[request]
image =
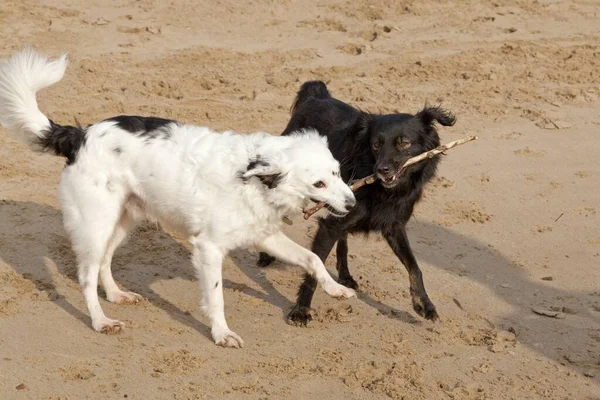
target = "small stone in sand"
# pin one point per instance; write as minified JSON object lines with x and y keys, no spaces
{"x":21,"y":387}
{"x":568,"y":310}
{"x":549,"y":313}
{"x":506,"y":336}
{"x":100,"y":21}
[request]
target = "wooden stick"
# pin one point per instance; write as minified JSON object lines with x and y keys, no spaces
{"x":435,"y":152}
{"x":357,"y":184}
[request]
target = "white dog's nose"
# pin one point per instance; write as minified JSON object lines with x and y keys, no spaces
{"x":350,"y":203}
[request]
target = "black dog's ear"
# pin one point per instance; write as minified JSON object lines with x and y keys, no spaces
{"x":361,"y":132}
{"x":363,"y":125}
{"x":268,"y":173}
{"x":429,"y":115}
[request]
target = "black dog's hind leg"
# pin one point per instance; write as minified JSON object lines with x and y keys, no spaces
{"x":344,"y":276}
{"x":398,"y":241}
{"x":324,"y":240}
{"x":264,"y":259}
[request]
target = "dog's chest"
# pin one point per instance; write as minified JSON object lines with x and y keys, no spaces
{"x":383,"y":210}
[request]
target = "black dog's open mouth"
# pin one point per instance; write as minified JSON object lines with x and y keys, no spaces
{"x":389,"y":181}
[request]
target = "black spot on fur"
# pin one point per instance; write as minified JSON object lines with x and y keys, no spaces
{"x":271,"y":181}
{"x":63,"y":141}
{"x":147,"y":127}
{"x":216,"y":285}
{"x":117,"y":150}
{"x":254,"y":163}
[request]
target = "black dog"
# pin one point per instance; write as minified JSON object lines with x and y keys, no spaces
{"x":365,"y":144}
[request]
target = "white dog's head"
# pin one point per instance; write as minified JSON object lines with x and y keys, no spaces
{"x":303,"y":170}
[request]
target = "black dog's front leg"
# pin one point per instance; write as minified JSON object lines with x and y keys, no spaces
{"x":344,"y":276}
{"x":398,"y":241}
{"x":325,"y":238}
{"x":264,"y":259}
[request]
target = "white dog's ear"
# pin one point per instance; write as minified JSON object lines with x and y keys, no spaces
{"x":268,"y":173}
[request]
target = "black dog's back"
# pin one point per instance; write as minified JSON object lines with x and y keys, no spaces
{"x":310,"y":90}
{"x":315,"y":108}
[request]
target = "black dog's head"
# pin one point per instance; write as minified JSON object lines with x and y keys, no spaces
{"x":395,"y":138}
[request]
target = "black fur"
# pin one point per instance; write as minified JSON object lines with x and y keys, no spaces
{"x":62,"y":140}
{"x":257,"y":162}
{"x":365,"y":144}
{"x":314,"y":89}
{"x":149,"y":127}
{"x":271,"y":180}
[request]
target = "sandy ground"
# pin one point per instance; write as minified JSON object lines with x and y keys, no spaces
{"x":510,"y":224}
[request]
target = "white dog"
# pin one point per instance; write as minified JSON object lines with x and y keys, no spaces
{"x":220,"y":191}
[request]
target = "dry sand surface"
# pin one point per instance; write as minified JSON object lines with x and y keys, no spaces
{"x":510,"y":224}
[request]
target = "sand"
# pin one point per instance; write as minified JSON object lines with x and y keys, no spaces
{"x":509,"y":225}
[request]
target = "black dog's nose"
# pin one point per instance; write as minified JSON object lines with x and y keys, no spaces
{"x":350,"y":203}
{"x":383,"y":170}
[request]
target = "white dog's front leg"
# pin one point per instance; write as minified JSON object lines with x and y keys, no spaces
{"x":287,"y":250}
{"x":208,"y":259}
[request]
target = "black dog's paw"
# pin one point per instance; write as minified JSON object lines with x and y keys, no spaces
{"x":425,"y":308}
{"x":348,"y":281}
{"x":264,"y":260}
{"x":299,"y":316}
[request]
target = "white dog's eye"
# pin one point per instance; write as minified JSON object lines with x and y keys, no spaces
{"x":319,"y":184}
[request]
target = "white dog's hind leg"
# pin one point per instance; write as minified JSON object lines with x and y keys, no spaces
{"x":90,"y":216}
{"x":89,"y":247}
{"x":113,"y":293}
{"x":208,"y":259}
{"x":285,"y":249}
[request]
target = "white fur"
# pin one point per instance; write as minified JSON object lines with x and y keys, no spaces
{"x":196,"y":183}
{"x":20,"y":78}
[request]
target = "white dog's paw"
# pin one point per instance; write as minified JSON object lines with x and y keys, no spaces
{"x":121,"y":297}
{"x":108,"y":326}
{"x":334,"y":289}
{"x":227,"y":338}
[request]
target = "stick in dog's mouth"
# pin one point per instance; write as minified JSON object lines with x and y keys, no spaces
{"x":357,"y":184}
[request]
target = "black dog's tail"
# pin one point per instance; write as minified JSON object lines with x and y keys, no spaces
{"x":309,"y":89}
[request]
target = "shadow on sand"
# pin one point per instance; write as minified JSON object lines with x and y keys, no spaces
{"x":40,"y":235}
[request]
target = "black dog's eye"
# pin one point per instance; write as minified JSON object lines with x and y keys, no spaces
{"x":402,"y":145}
{"x":319,"y":184}
{"x":376,"y":145}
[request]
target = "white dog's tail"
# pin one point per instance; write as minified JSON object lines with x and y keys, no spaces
{"x":20,"y":78}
